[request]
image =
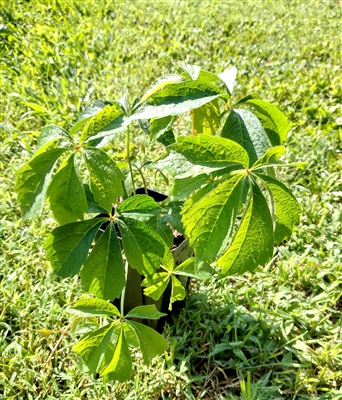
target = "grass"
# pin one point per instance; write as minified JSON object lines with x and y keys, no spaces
{"x":273,"y":334}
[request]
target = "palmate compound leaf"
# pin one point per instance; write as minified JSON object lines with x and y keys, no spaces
{"x":158,"y":282}
{"x":103,"y":272}
{"x":67,"y":246}
{"x":252,"y":244}
{"x":105,"y":177}
{"x":211,"y":151}
{"x":145,"y":250}
{"x":243,"y":127}
{"x":287,"y":210}
{"x":92,"y":347}
{"x":210,"y":219}
{"x":33,"y":179}
{"x":120,"y":366}
{"x":151,"y":342}
{"x":177,"y":98}
{"x":66,"y":193}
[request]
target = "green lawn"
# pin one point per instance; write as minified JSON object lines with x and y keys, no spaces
{"x":273,"y":334}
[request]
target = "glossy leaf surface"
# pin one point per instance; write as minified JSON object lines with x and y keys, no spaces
{"x":209,"y":220}
{"x":103,"y":273}
{"x":145,"y":249}
{"x":120,"y":367}
{"x":145,"y":312}
{"x":286,"y":207}
{"x":96,"y":306}
{"x":177,"y":98}
{"x":151,"y":342}
{"x":105,"y":177}
{"x":252,"y":244}
{"x":67,"y":246}
{"x":92,"y":347}
{"x":33,"y":179}
{"x":207,"y":118}
{"x":211,"y":151}
{"x":52,"y":133}
{"x":274,"y":114}
{"x":243,"y":127}
{"x":66,"y":193}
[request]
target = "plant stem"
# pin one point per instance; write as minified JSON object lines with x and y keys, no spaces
{"x":143,"y":179}
{"x":122,"y":298}
{"x":193,"y":132}
{"x":128,"y":140}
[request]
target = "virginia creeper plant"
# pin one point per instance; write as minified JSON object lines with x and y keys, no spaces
{"x":224,"y":198}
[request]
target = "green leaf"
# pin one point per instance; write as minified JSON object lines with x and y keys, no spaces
{"x":274,"y":114}
{"x":94,"y":306}
{"x":196,"y":196}
{"x":33,"y":179}
{"x":92,"y":109}
{"x":107,"y":122}
{"x":103,"y":273}
{"x":145,"y":312}
{"x":270,"y":128}
{"x":52,"y":133}
{"x":158,"y":126}
{"x":228,"y":76}
{"x":144,"y":249}
{"x":156,"y":284}
{"x":66,"y":193}
{"x":92,"y":347}
{"x":191,"y":71}
{"x":67,"y":246}
{"x":105,"y":177}
{"x":180,"y":167}
{"x":120,"y":367}
{"x":93,"y":207}
{"x":253,"y":242}
{"x":270,"y":158}
{"x":243,"y":127}
{"x":159,"y":224}
{"x":211,"y":151}
{"x":287,"y":209}
{"x":161,"y":130}
{"x":177,"y":98}
{"x":209,"y":77}
{"x":139,"y":206}
{"x":183,"y":187}
{"x":207,"y":118}
{"x":209,"y":221}
{"x":159,"y":84}
{"x":151,"y":342}
{"x":177,"y":291}
{"x":171,"y":215}
{"x":186,"y":268}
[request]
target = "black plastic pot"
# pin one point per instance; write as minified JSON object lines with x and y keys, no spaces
{"x":134,"y":294}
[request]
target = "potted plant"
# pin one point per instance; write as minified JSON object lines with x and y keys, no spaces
{"x":224,"y":199}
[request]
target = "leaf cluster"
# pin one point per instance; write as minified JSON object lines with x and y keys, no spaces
{"x":224,"y":195}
